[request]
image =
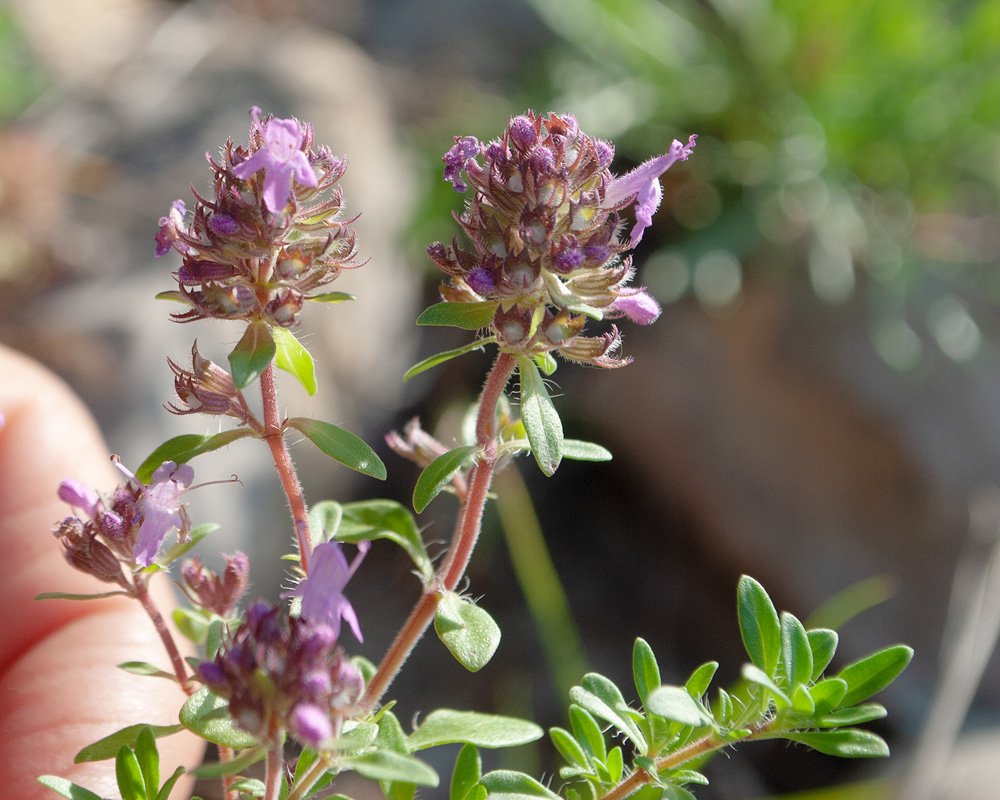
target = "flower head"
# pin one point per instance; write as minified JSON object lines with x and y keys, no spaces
{"x":284,"y":673}
{"x":322,"y":592}
{"x":282,"y":160}
{"x":545,"y":227}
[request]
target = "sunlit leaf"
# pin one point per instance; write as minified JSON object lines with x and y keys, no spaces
{"x":385,"y":519}
{"x":846,"y":743}
{"x":676,"y":704}
{"x":440,"y":358}
{"x":207,"y":715}
{"x":108,"y":747}
{"x":468,"y":316}
{"x":340,"y":445}
{"x":438,"y":474}
{"x":67,"y":789}
{"x":294,"y":359}
{"x":540,"y":418}
{"x":386,"y":765}
{"x":468,"y":770}
{"x":469,"y":632}
{"x":873,"y":673}
{"x":181,"y":449}
{"x":252,"y":354}
{"x":446,"y":726}
{"x":759,"y":625}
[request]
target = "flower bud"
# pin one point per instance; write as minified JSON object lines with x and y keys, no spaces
{"x":85,"y":553}
{"x":216,"y":593}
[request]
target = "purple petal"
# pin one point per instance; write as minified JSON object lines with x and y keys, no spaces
{"x":79,"y":496}
{"x":639,"y":307}
{"x":311,"y":724}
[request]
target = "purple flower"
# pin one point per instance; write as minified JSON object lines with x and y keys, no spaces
{"x":282,"y":159}
{"x":322,"y":592}
{"x":159,"y":508}
{"x":171,"y":226}
{"x":79,"y":496}
{"x":643,"y":183}
{"x":311,"y":724}
{"x":639,"y":307}
{"x":465,"y":149}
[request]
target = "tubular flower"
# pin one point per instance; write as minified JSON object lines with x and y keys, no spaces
{"x":271,"y":234}
{"x":322,"y":592}
{"x":283,"y":673}
{"x":545,"y":228}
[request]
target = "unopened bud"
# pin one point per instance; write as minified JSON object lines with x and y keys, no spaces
{"x":217,"y":593}
{"x":87,"y":554}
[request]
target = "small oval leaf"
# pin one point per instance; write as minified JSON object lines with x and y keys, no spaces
{"x":446,"y":726}
{"x":467,"y":631}
{"x":340,"y":445}
{"x":873,"y":673}
{"x":440,"y":358}
{"x":584,"y":451}
{"x":67,"y":789}
{"x":846,"y":743}
{"x":540,"y":418}
{"x":294,"y":359}
{"x":505,"y":784}
{"x":759,"y":625}
{"x":385,"y":519}
{"x":207,"y":715}
{"x":108,"y":747}
{"x":468,"y":316}
{"x":438,"y":474}
{"x":252,"y":354}
{"x":386,"y":765}
{"x":676,"y":704}
{"x":181,"y":449}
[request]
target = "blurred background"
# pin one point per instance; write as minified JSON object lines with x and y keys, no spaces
{"x":818,"y":406}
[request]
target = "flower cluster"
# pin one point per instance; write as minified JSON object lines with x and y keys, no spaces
{"x":281,"y":672}
{"x":216,"y":593}
{"x":130,"y":527}
{"x":207,"y":388}
{"x":544,"y":224}
{"x":272,"y":234}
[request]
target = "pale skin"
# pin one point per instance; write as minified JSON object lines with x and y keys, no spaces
{"x":59,"y":687}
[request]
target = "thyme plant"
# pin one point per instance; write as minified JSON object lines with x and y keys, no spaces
{"x":547,"y":231}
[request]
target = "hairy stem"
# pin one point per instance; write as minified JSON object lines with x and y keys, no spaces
{"x":467,"y":528}
{"x":177,"y":663}
{"x":275,"y":766}
{"x":641,"y":777}
{"x":306,"y":783}
{"x":275,"y":438}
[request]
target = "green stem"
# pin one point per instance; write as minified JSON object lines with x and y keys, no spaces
{"x":274,"y":435}
{"x":467,"y":528}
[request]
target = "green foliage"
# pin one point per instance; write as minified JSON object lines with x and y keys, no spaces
{"x":369,"y":520}
{"x":294,"y":359}
{"x":540,"y":418}
{"x":108,"y":747}
{"x":468,"y":316}
{"x":137,"y":766}
{"x":446,"y":726}
{"x":469,"y":632}
{"x":253,"y":353}
{"x":440,"y":358}
{"x":340,"y":445}
{"x":181,"y":449}
{"x":207,"y":715}
{"x":785,"y":697}
{"x":439,"y":473}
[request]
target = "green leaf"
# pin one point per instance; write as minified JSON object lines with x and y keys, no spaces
{"x":129,"y":777}
{"x":168,"y":787}
{"x":645,"y":670}
{"x":584,"y":451}
{"x":440,"y":358}
{"x":541,"y":421}
{"x":801,"y":699}
{"x":855,"y":715}
{"x":827,"y":694}
{"x":823,"y":643}
{"x":468,"y":316}
{"x":234,"y":767}
{"x":676,"y":704}
{"x":67,"y":789}
{"x":467,"y":631}
{"x":601,"y":697}
{"x":759,"y":625}
{"x":588,"y":733}
{"x":331,"y":297}
{"x":568,"y":747}
{"x":213,"y":641}
{"x":439,"y":473}
{"x":340,"y":445}
{"x":252,"y":354}
{"x":193,"y":623}
{"x":615,"y":764}
{"x":505,"y":784}
{"x":250,"y":786}
{"x":181,"y":449}
{"x":390,"y":734}
{"x":294,"y":359}
{"x":385,"y":519}
{"x":356,"y":738}
{"x":468,"y":770}
{"x":671,"y":791}
{"x":446,"y":726}
{"x":146,"y":669}
{"x":724,"y":707}
{"x":697,"y":685}
{"x":179,"y":549}
{"x":795,"y":651}
{"x":872,"y":674}
{"x":148,"y":758}
{"x":846,"y":743}
{"x":754,"y":674}
{"x":70,"y":596}
{"x":386,"y":765}
{"x":108,"y":747}
{"x":324,"y":521}
{"x":207,"y":715}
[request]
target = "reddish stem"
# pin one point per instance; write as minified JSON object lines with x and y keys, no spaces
{"x":274,"y":435}
{"x":467,"y":528}
{"x":142,"y":595}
